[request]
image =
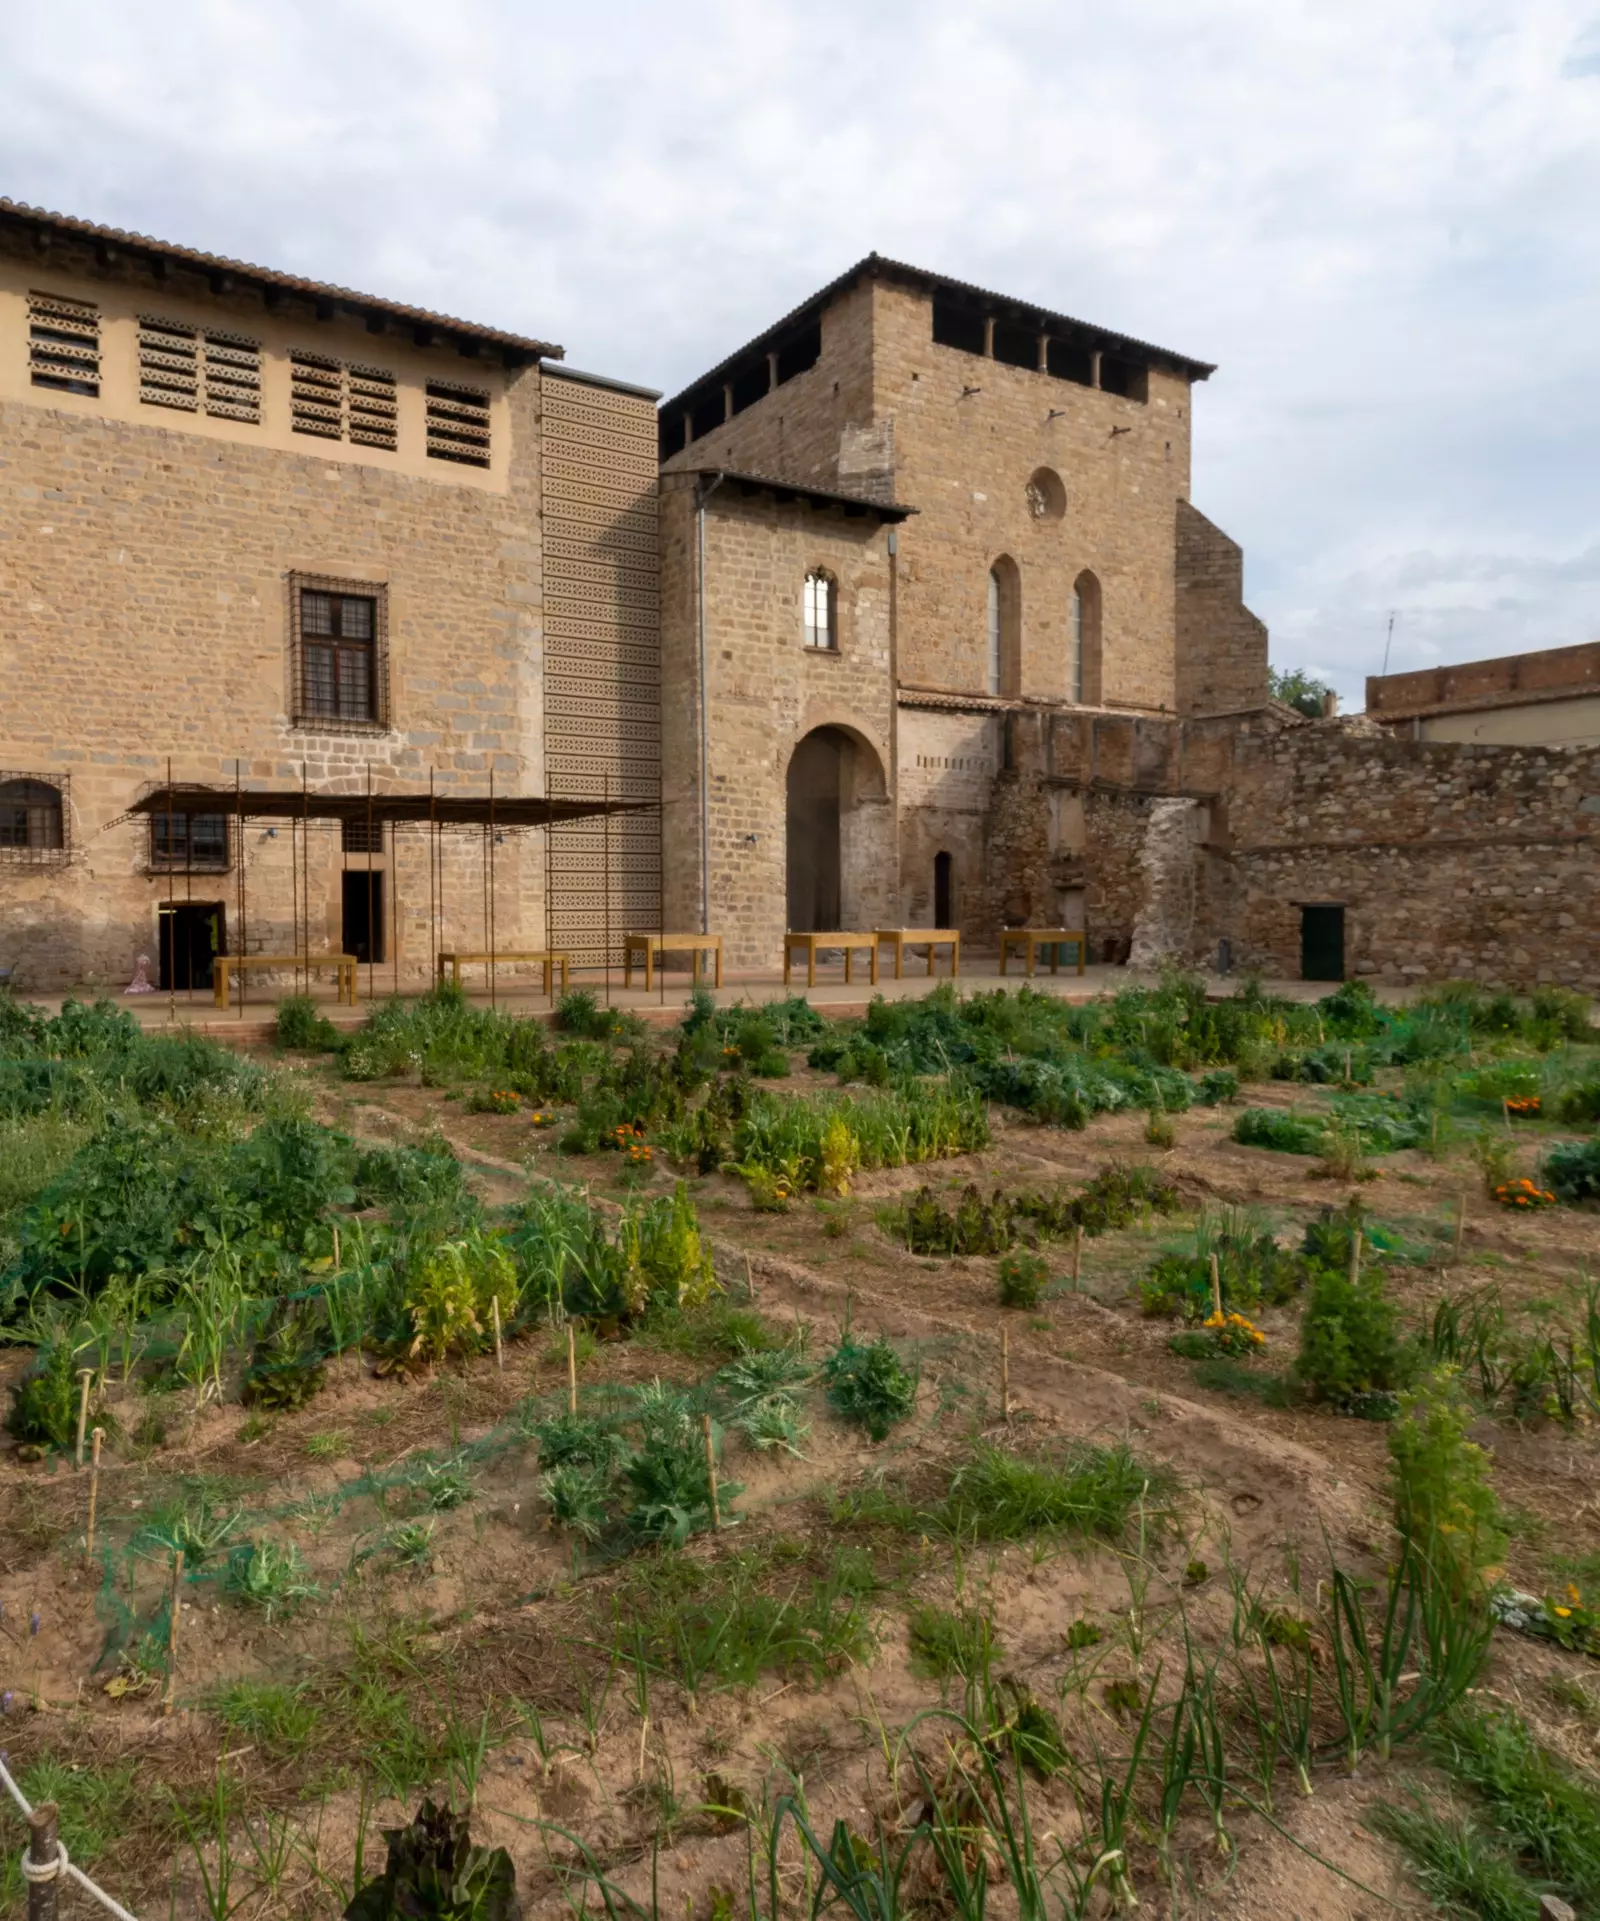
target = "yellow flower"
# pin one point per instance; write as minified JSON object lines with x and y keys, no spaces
{"x":1565,"y":1613}
{"x":1573,"y":1595}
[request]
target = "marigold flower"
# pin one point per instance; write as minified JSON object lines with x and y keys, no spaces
{"x":1565,"y":1613}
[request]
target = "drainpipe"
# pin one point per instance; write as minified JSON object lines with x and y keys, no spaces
{"x":703,"y":495}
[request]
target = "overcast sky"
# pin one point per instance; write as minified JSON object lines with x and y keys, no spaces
{"x":1381,"y":217}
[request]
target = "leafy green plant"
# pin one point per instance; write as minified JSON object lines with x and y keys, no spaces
{"x":44,"y":1403}
{"x":1455,"y":1862}
{"x":1350,"y":1342}
{"x":302,"y":1027}
{"x":271,"y":1577}
{"x":1023,"y":1278}
{"x":867,"y":1383}
{"x":1443,"y":1499}
{"x":945,"y":1643}
{"x":435,"y":1872}
{"x":1283,"y":1133}
{"x":1571,"y":1171}
{"x":1087,"y":1490}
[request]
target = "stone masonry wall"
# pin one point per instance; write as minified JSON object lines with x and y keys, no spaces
{"x":797,"y":431}
{"x":964,"y":459}
{"x":1221,"y":645}
{"x":144,"y":612}
{"x":766,"y":692}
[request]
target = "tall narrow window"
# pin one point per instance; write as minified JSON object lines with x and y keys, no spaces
{"x":339,"y":653}
{"x":822,"y":611}
{"x":1086,"y":605}
{"x":1005,"y":628}
{"x":1075,"y":646}
{"x":996,"y":638}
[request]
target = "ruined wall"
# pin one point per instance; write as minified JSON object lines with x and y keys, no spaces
{"x":969,"y":433}
{"x":1221,"y":645}
{"x":1451,"y":860}
{"x":948,"y":762}
{"x":767,"y":691}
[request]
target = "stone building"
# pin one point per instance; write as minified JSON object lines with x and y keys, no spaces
{"x":994,"y":501}
{"x":900,"y":615}
{"x":275,"y":534}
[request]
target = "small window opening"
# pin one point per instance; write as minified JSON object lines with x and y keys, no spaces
{"x":957,"y":326}
{"x":1124,"y":377}
{"x":1016,"y":346}
{"x":942,"y":865}
{"x":708,"y":414}
{"x":749,"y":384}
{"x":361,"y":836}
{"x":189,"y":840}
{"x":32,"y":820}
{"x":802,"y":351}
{"x":822,"y":611}
{"x":1068,"y":360}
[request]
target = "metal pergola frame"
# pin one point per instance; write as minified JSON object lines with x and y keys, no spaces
{"x":492,"y":815}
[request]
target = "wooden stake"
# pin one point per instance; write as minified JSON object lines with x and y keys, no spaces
{"x":336,"y":1262}
{"x":1347,"y":1067}
{"x":94,"y":1492}
{"x":572,"y":1369}
{"x":1005,"y":1374}
{"x":172,"y":1633}
{"x":85,"y":1377}
{"x":750,"y":1280}
{"x":44,"y":1850}
{"x":499,"y":1351}
{"x":1077,"y":1256}
{"x":1216,"y":1287}
{"x":711,"y":1469}
{"x":1355,"y":1252}
{"x":1461,"y":1217}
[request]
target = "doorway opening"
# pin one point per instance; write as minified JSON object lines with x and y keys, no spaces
{"x":192,"y":934}
{"x":363,"y":913}
{"x":942,"y":864}
{"x":1322,"y":941}
{"x":813,"y":834}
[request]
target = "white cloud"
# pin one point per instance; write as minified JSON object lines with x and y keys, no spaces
{"x":1376,"y":216}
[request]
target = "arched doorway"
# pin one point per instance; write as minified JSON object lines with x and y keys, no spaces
{"x":834,"y":776}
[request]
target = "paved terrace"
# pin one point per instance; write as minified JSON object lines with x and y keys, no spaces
{"x":520,"y":991}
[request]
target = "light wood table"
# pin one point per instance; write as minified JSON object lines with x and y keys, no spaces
{"x":900,"y":938}
{"x":811,"y":944}
{"x":226,"y":965}
{"x":452,"y":962}
{"x":1031,"y":939}
{"x":650,"y":946}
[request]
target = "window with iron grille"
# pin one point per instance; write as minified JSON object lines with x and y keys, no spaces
{"x":458,"y":424}
{"x":822,"y":611}
{"x":340,"y":667}
{"x":361,"y":836}
{"x":33,"y":818}
{"x":189,"y":840}
{"x":63,"y":344}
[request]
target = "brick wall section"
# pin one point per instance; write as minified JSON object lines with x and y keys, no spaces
{"x":144,"y":613}
{"x":766,"y":692}
{"x":1221,"y":645}
{"x":1473,"y":684}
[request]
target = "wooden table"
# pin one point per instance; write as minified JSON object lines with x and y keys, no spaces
{"x":650,"y":945}
{"x":1031,"y":939}
{"x":900,"y":938}
{"x":811,"y":944}
{"x":225,"y":965}
{"x":454,"y":961}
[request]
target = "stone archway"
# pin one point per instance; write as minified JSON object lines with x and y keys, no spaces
{"x":836,"y":818}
